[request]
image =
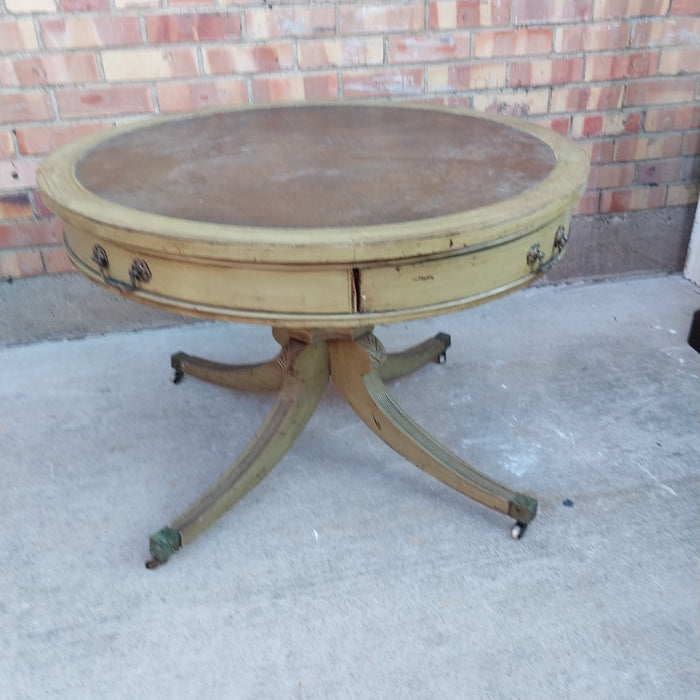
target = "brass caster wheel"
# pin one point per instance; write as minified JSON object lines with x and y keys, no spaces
{"x":518,"y":530}
{"x":154,"y":563}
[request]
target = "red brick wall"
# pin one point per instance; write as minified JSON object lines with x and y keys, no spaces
{"x":622,"y":77}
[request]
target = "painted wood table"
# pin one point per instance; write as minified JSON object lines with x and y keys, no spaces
{"x":319,"y":221}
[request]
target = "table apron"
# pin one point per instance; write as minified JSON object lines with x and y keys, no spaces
{"x":317,"y":295}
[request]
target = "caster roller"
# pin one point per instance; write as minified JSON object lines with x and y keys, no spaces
{"x":518,"y":530}
{"x":154,"y":563}
{"x":176,"y":376}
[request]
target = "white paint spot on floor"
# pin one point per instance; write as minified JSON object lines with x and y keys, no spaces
{"x":521,"y":461}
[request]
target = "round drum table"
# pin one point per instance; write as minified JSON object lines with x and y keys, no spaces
{"x":319,"y":221}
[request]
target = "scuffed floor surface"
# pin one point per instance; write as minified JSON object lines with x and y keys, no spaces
{"x":348,"y":573}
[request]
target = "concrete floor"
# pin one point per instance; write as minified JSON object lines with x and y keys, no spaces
{"x":348,"y":573}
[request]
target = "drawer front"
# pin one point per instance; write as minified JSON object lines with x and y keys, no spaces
{"x":461,"y":277}
{"x":188,"y":283}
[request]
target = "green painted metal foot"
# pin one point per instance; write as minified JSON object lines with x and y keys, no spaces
{"x":162,"y":545}
{"x":446,"y":341}
{"x":176,"y":362}
{"x":523,"y":508}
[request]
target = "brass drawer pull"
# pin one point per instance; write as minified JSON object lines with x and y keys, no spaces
{"x":561,"y":239}
{"x":99,"y":256}
{"x":138,"y":272}
{"x":535,"y":255}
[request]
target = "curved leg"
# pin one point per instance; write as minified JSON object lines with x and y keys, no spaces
{"x":399,"y":364}
{"x":262,"y":376}
{"x":356,"y":371}
{"x":305,"y":378}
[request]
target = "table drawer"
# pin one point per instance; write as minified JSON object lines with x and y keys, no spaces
{"x":463,"y":276}
{"x":189,"y":284}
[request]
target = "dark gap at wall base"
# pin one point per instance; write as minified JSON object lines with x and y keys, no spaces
{"x":629,"y":243}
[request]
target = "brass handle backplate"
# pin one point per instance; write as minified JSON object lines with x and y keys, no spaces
{"x":535,"y":254}
{"x":138,"y":272}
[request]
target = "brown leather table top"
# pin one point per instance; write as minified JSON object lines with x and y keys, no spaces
{"x":316,"y":166}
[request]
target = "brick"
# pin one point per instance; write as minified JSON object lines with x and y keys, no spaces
{"x":684,"y":7}
{"x":467,"y":77}
{"x":633,"y":122}
{"x":514,"y":42}
{"x":84,"y":32}
{"x":134,"y":4}
{"x":672,"y":119}
{"x":599,"y":151}
{"x":514,"y":104}
{"x":691,"y":143}
{"x":679,"y":61}
{"x":25,"y":234}
{"x":665,"y":171}
{"x":385,"y":83}
{"x":545,"y":72}
{"x":562,"y":125}
{"x":247,"y":59}
{"x":193,"y":27}
{"x":148,"y":64}
{"x":351,"y":51}
{"x":686,"y":193}
{"x":41,"y":209}
{"x":468,"y":14}
{"x":666,"y":146}
{"x":606,"y":124}
{"x":321,"y":87}
{"x":427,"y":48}
{"x":56,"y":261}
{"x":37,"y":140}
{"x":588,"y":98}
{"x":673,"y":31}
{"x":19,"y":173}
{"x":7,"y":146}
{"x":611,"y":176}
{"x":633,"y":198}
{"x":614,"y":9}
{"x":49,"y":69}
{"x":592,"y":37}
{"x":551,"y":11}
{"x":370,"y":19}
{"x":21,"y":7}
{"x":84,"y":5}
{"x":103,"y":101}
{"x":18,"y":35}
{"x":295,"y":88}
{"x":617,"y":66}
{"x":23,"y":263}
{"x":588,"y":204}
{"x":588,"y":125}
{"x":661,"y":91}
{"x":294,"y":22}
{"x":15,"y":205}
{"x":25,"y":107}
{"x":179,"y":97}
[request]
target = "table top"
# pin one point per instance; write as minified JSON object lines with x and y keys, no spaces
{"x":316,"y":183}
{"x":316,"y":216}
{"x":317,"y":167}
